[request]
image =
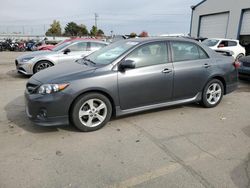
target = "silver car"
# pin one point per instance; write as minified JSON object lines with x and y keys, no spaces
{"x":70,"y":51}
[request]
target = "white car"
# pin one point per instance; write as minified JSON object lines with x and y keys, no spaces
{"x":226,"y":45}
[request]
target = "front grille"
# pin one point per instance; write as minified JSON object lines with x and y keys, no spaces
{"x":246,"y":64}
{"x":31,"y":88}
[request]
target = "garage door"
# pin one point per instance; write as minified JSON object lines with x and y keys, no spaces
{"x":214,"y":26}
{"x":245,"y":25}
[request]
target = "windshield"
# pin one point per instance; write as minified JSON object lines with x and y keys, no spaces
{"x":61,"y":46}
{"x":111,"y":52}
{"x":210,"y":42}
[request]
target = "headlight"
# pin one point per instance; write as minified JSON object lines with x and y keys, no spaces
{"x":51,"y":88}
{"x":26,"y":59}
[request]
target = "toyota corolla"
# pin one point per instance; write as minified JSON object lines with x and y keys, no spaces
{"x":127,"y":77}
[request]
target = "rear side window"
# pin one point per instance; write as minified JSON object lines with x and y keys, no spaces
{"x":227,"y":43}
{"x":185,"y":51}
{"x":232,"y":43}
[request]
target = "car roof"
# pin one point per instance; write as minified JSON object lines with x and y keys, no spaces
{"x":224,"y":39}
{"x":156,"y":39}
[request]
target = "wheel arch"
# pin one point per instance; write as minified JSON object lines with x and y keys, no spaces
{"x":221,"y":78}
{"x":106,"y":94}
{"x":33,"y":68}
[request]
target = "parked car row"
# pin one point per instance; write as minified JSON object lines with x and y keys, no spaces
{"x":124,"y":77}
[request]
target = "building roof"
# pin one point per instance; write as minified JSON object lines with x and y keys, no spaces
{"x":193,"y":7}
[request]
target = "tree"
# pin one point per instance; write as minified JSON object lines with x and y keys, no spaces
{"x":132,"y":35}
{"x":144,"y":34}
{"x":55,"y":29}
{"x":71,"y":29}
{"x":83,"y":31}
{"x":93,"y":31}
{"x":100,"y":32}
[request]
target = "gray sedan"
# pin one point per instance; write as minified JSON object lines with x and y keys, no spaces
{"x":126,"y":77}
{"x":33,"y":62}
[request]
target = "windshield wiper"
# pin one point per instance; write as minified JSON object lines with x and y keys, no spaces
{"x":89,"y":61}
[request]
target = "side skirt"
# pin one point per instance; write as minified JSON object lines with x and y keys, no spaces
{"x":120,"y":112}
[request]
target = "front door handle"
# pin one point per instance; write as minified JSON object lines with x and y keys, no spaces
{"x":206,"y":65}
{"x":166,"y":70}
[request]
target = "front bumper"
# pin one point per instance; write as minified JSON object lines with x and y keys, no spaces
{"x":48,"y":110}
{"x":24,"y":68}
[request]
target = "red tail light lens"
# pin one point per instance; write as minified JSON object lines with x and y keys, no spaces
{"x":237,"y":64}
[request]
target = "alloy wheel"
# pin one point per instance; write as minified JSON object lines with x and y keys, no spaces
{"x":213,"y":93}
{"x":93,"y":112}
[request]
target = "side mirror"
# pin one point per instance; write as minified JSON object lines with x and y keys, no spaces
{"x":66,"y":51}
{"x":127,"y":64}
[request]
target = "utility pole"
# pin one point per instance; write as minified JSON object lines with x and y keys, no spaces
{"x":96,"y":17}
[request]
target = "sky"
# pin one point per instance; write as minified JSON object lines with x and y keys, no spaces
{"x":122,"y":17}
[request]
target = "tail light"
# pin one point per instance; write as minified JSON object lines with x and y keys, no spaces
{"x":237,"y":64}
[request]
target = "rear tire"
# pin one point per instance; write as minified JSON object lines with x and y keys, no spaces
{"x":239,"y":56}
{"x":212,"y":93}
{"x":41,"y":65}
{"x":90,"y":112}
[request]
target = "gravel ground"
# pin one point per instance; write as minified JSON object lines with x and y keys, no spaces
{"x":182,"y":146}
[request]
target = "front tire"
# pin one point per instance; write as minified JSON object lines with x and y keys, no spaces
{"x":90,"y":112}
{"x":212,"y":93}
{"x":41,"y":65}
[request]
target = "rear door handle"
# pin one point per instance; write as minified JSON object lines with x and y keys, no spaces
{"x":166,"y":70}
{"x":206,"y":65}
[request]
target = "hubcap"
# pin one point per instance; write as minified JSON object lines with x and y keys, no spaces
{"x":214,"y":93}
{"x":42,"y":66}
{"x":93,"y":112}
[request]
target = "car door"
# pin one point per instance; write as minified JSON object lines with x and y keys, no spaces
{"x":151,"y":81}
{"x":191,"y":69}
{"x":77,"y":51}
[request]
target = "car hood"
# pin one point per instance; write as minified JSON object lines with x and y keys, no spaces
{"x":36,"y":54}
{"x":63,"y":72}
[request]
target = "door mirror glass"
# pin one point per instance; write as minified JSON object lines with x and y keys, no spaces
{"x":127,"y":64}
{"x":66,"y":51}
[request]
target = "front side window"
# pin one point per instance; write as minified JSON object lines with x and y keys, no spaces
{"x":97,"y":46}
{"x":149,"y":54}
{"x":80,"y":46}
{"x":184,"y":51}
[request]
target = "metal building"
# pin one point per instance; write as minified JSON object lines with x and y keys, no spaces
{"x":222,"y":19}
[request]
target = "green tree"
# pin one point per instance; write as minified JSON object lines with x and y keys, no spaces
{"x":55,"y":29}
{"x":83,"y":31}
{"x":71,"y":29}
{"x":93,"y":31}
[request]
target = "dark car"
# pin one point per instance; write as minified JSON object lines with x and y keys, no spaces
{"x":127,"y":77}
{"x":244,"y":69}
